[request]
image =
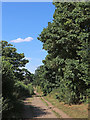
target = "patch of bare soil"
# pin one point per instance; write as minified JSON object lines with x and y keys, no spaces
{"x":36,"y":109}
{"x":60,"y":112}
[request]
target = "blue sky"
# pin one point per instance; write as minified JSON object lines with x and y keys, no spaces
{"x":24,"y":21}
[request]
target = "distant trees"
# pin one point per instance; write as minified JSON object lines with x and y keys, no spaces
{"x":28,"y":77}
{"x":66,"y":40}
{"x":16,"y":80}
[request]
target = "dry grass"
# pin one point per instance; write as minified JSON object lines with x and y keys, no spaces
{"x":74,"y":111}
{"x":57,"y":114}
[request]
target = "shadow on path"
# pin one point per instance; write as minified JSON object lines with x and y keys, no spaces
{"x":31,"y":111}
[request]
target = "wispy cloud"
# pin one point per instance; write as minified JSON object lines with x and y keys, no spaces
{"x":18,"y":40}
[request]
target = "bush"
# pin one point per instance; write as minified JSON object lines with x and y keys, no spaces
{"x":30,"y":89}
{"x":8,"y":81}
{"x":67,"y":96}
{"x":21,"y":90}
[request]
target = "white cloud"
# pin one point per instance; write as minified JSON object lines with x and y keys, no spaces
{"x":18,"y":40}
{"x":43,"y":50}
{"x":28,"y":58}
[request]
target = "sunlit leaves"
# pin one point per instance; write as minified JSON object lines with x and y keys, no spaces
{"x":66,"y":40}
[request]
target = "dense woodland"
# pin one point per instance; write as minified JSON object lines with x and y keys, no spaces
{"x":65,"y":68}
{"x":66,"y":41}
{"x":16,"y":80}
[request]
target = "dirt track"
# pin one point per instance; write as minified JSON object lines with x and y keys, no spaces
{"x":37,"y":109}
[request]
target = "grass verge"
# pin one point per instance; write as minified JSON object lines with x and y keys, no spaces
{"x":44,"y":102}
{"x":74,"y":111}
{"x":58,"y":116}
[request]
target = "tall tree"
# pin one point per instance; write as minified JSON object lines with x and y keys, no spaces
{"x":9,"y":53}
{"x":66,"y":40}
{"x":13,"y":76}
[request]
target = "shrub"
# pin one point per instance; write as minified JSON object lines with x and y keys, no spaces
{"x":21,"y":90}
{"x":30,"y":89}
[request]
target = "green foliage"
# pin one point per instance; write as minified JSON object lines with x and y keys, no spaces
{"x":30,"y":89}
{"x":66,"y":40}
{"x":21,"y":90}
{"x":9,"y":53}
{"x":28,"y":77}
{"x":8,"y":79}
{"x":5,"y":104}
{"x":15,"y":79}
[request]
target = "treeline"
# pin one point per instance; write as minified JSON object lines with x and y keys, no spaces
{"x":16,"y":80}
{"x":66,"y":41}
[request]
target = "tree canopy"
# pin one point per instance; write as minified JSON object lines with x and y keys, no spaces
{"x":16,"y":80}
{"x":66,"y":40}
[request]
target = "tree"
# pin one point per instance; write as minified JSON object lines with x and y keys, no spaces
{"x":66,"y":41}
{"x":13,"y":76}
{"x":8,"y":81}
{"x":9,"y":53}
{"x":28,"y":77}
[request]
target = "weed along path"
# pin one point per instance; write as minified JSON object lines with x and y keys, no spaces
{"x":37,"y":108}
